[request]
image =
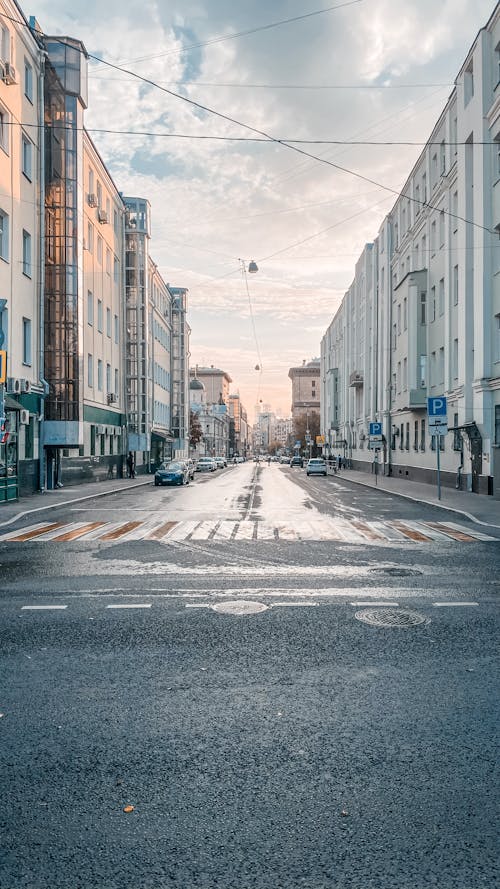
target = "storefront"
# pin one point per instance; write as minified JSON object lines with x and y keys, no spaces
{"x":9,"y":452}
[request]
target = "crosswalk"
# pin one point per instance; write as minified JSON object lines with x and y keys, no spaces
{"x":328,"y":529}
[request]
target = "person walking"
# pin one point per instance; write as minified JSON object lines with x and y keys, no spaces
{"x":339,"y":462}
{"x":130,"y":465}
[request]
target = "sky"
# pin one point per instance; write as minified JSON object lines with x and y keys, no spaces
{"x":368,"y":71}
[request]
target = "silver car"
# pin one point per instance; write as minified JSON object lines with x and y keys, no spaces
{"x":316,"y":466}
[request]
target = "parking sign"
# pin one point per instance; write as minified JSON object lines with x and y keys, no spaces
{"x":375,"y":429}
{"x":437,"y":414}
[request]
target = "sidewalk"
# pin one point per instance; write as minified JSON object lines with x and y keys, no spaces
{"x":39,"y":503}
{"x":478,"y":507}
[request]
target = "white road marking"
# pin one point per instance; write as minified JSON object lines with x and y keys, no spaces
{"x":204,"y":530}
{"x":43,"y":607}
{"x":478,"y":535}
{"x":264,"y":532}
{"x":387,"y":531}
{"x":375,"y":604}
{"x":225,"y":530}
{"x":454,"y":604}
{"x":181,"y":531}
{"x":136,"y":605}
{"x":245,"y":531}
{"x":27,"y":530}
{"x":294,"y":604}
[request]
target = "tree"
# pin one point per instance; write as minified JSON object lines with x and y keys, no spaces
{"x":195,"y":430}
{"x":304,"y":422}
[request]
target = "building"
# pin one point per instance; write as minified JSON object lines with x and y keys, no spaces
{"x":214,"y":423}
{"x":239,"y":442}
{"x":160,"y":365}
{"x":180,"y":371}
{"x":305,"y":388}
{"x":216,"y":382}
{"x":21,"y":248}
{"x":422,"y":316}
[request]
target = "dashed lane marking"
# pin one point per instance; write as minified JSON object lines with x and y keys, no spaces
{"x":455,"y":604}
{"x":330,"y":529}
{"x":44,"y":607}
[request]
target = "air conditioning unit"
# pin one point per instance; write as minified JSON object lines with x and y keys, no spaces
{"x":112,"y":398}
{"x":9,"y":74}
{"x":102,"y":217}
{"x":14,"y":386}
{"x":101,"y":430}
{"x":25,"y":386}
{"x":24,"y":417}
{"x":92,"y":200}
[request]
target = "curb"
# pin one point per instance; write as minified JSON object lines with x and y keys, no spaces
{"x":26,"y":512}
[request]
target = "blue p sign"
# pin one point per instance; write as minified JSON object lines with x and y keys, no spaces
{"x":436,"y":407}
{"x":375,"y":428}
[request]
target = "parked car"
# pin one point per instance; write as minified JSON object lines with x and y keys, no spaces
{"x":297,"y":461}
{"x":191,"y":469}
{"x":316,"y":466}
{"x":174,"y":473}
{"x":206,"y":464}
{"x":221,"y":462}
{"x":285,"y":460}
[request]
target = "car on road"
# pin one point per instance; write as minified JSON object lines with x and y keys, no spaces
{"x":191,"y":469}
{"x":316,"y":466}
{"x":221,"y":462}
{"x":206,"y":464}
{"x":297,"y":461}
{"x":174,"y":473}
{"x":285,"y":460}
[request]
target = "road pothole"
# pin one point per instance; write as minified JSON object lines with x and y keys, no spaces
{"x":395,"y":571}
{"x":391,"y":617}
{"x":241,"y":606}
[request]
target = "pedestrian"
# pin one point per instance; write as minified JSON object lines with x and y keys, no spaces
{"x":339,"y":462}
{"x":130,"y":465}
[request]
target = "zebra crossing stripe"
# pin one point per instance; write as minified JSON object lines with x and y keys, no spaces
{"x":162,"y":530}
{"x":411,"y":532}
{"x":32,"y":532}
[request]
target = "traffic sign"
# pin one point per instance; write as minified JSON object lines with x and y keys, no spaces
{"x":436,"y":407}
{"x":375,"y":429}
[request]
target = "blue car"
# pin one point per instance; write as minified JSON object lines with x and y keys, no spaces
{"x":174,"y":473}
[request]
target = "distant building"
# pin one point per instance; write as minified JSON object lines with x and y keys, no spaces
{"x":239,"y":429}
{"x":305,"y":388}
{"x":215,"y":381}
{"x":214,"y":423}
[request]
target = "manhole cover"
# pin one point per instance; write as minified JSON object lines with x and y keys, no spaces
{"x":243,"y":606}
{"x":397,"y":572}
{"x":390,"y":617}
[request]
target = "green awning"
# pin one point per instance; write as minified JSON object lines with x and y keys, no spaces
{"x":12,"y":405}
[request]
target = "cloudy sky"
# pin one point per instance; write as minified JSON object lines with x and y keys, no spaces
{"x":370,"y":70}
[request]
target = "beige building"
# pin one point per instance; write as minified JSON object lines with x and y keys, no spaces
{"x":305,"y":388}
{"x":215,"y":381}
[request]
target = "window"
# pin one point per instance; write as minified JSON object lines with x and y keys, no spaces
{"x":468,"y":83}
{"x":108,"y":261}
{"x":115,"y":222}
{"x":90,"y":308}
{"x":405,"y":374}
{"x":99,"y":374}
{"x":405,"y":314}
{"x":422,"y":435}
{"x":417,"y":198}
{"x":394,"y":336}
{"x":457,"y":438}
{"x":415,"y":435}
{"x":399,"y":318}
{"x":108,"y":378}
{"x":91,"y":181}
{"x":432,"y":380}
{"x":454,"y":135}
{"x":407,"y":437}
{"x":28,"y":81}
{"x":424,"y":187}
{"x":455,"y":285}
{"x":27,"y":157}
{"x":99,"y":249}
{"x":417,"y":258}
{"x":108,"y":323}
{"x":4,"y":236}
{"x":26,"y":341}
{"x":26,"y":254}
{"x":117,"y":328}
{"x":454,"y":210}
{"x":424,"y":250}
{"x":398,"y":377}
{"x":423,"y":371}
{"x":433,"y":236}
{"x":116,"y":389}
{"x":90,"y":237}
{"x":4,"y":130}
{"x":455,"y":359}
{"x":441,"y":365}
{"x":423,"y":307}
{"x":99,"y":194}
{"x":90,"y":370}
{"x":5,"y":43}
{"x":442,"y":157}
{"x":441,"y":228}
{"x":497,"y":424}
{"x":116,"y":270}
{"x":433,"y":304}
{"x":401,"y":437}
{"x":434,"y":169}
{"x":99,"y":315}
{"x":441,"y":296}
{"x":396,"y":234}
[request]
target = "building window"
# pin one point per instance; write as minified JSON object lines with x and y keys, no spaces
{"x":28,"y":81}
{"x":407,"y":437}
{"x":108,"y":322}
{"x":455,"y":359}
{"x":422,"y":435}
{"x":457,"y":438}
{"x":99,"y":374}
{"x":441,"y":228}
{"x":398,"y":377}
{"x":116,"y":270}
{"x":405,"y":314}
{"x":4,"y":130}
{"x":454,"y":208}
{"x":433,"y":237}
{"x":496,"y":345}
{"x":5,"y":43}
{"x":26,"y":254}
{"x":27,"y":158}
{"x":91,"y":181}
{"x":455,"y":285}
{"x":405,"y":374}
{"x":115,"y":222}
{"x":108,"y":261}
{"x":117,"y":329}
{"x":99,"y":194}
{"x":441,"y":296}
{"x":394,"y":336}
{"x":90,"y":371}
{"x":108,"y":378}
{"x":468,"y":83}
{"x":4,"y":236}
{"x":116,"y":389}
{"x":26,"y":341}
{"x":399,"y":318}
{"x":423,"y":370}
{"x":424,"y":187}
{"x":401,"y":437}
{"x":99,"y":249}
{"x":90,"y":237}
{"x":433,"y":304}
{"x":442,"y":157}
{"x":441,"y":365}
{"x":497,"y":424}
{"x":432,"y":374}
{"x":90,"y":308}
{"x":423,"y":305}
{"x":415,"y":435}
{"x":99,"y":315}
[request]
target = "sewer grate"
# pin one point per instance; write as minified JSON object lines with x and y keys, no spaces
{"x":243,"y":606}
{"x":390,"y":617}
{"x":397,"y":572}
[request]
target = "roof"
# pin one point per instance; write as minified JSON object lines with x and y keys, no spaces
{"x":196,"y":384}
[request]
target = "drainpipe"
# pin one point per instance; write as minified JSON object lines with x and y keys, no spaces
{"x":42,"y":463}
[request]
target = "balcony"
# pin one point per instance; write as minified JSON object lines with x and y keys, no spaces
{"x":356,"y":379}
{"x":418,"y":398}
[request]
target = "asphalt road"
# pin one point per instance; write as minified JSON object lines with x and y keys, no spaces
{"x":278,"y":711}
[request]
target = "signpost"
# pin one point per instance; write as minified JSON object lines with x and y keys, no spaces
{"x":437,"y":413}
{"x":375,"y":438}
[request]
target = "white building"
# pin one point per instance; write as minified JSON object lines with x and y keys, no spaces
{"x":422,"y":316}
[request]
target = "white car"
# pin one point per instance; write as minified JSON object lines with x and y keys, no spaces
{"x":316,"y":466}
{"x":206,"y":464}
